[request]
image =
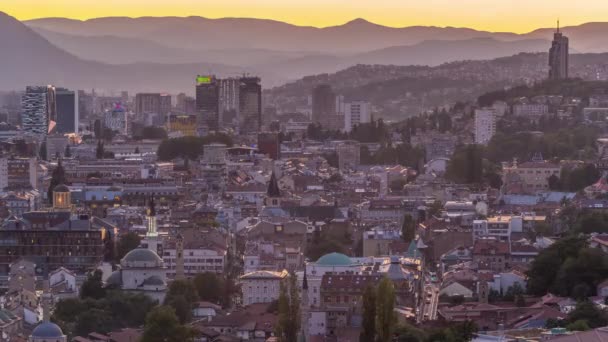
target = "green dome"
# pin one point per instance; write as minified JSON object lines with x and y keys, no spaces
{"x":334,"y":259}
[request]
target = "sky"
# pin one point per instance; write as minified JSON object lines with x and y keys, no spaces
{"x":493,"y":15}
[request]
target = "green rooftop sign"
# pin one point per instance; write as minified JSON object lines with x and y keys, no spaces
{"x":203,"y":79}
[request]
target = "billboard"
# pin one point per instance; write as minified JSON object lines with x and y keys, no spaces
{"x":203,"y":79}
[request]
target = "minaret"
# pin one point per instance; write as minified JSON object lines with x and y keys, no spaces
{"x":151,"y":218}
{"x":179,"y":257}
{"x":151,"y":240}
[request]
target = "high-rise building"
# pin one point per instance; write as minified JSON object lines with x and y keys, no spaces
{"x":38,"y":110}
{"x":250,"y":104}
{"x":356,"y":113}
{"x":485,"y":125}
{"x":165,"y":105}
{"x":116,"y":119}
{"x":323,"y":102}
{"x":67,"y":111}
{"x":558,"y":56}
{"x":229,"y":99}
{"x":148,"y":103}
{"x":208,"y":102}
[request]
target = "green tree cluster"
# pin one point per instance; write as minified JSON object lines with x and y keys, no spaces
{"x":162,"y":325}
{"x":575,"y":179}
{"x":152,"y":132}
{"x":568,"y":268}
{"x":288,"y":326}
{"x":116,"y":310}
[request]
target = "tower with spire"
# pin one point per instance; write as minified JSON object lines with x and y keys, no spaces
{"x":273,"y":194}
{"x":558,"y":56}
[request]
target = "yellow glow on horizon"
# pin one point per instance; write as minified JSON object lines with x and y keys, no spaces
{"x":493,"y":15}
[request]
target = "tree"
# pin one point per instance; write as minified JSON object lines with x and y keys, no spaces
{"x":183,"y":308}
{"x":397,"y":184}
{"x":580,"y":325}
{"x":57,"y":177}
{"x":183,"y":288}
{"x":127,"y":243}
{"x":136,"y":150}
{"x":408,"y":228}
{"x":588,"y":312}
{"x":466,"y":165}
{"x":93,"y":286}
{"x":68,"y":151}
{"x":288,"y":326}
{"x":162,"y":325}
{"x":94,"y":320}
{"x":208,"y":286}
{"x":385,"y":311}
{"x":368,"y":332}
{"x":323,"y":246}
{"x":520,"y":301}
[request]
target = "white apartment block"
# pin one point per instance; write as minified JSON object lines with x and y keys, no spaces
{"x":195,"y":261}
{"x":356,"y":113}
{"x":499,"y":227}
{"x":261,"y":286}
{"x":485,"y":125}
{"x":530,"y":109}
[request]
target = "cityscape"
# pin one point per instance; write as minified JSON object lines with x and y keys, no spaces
{"x":199,"y":179}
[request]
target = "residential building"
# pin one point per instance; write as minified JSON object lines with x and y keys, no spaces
{"x":530,"y":109}
{"x":262,"y":286}
{"x":148,"y":103}
{"x":323,"y":102}
{"x":356,"y":113}
{"x":485,"y":125}
{"x":349,"y":155}
{"x":530,"y":176}
{"x":376,"y":242}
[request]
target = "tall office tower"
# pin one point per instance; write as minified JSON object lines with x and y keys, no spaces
{"x":356,"y":113}
{"x":207,"y":102}
{"x":323,"y":102}
{"x":38,"y":110}
{"x":147,"y":103}
{"x":85,"y":105}
{"x":229,"y":100}
{"x":558,"y":56}
{"x":67,"y":111}
{"x":165,"y":104}
{"x":485,"y":125}
{"x":124,"y":95}
{"x":250,"y":104}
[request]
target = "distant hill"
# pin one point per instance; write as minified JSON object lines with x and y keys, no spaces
{"x":27,"y":58}
{"x":239,"y":33}
{"x":435,"y":52}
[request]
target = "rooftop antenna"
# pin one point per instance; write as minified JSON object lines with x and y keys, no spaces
{"x":557,"y":25}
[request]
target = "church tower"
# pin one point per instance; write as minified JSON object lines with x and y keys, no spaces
{"x":273,"y":194}
{"x":179,"y":257}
